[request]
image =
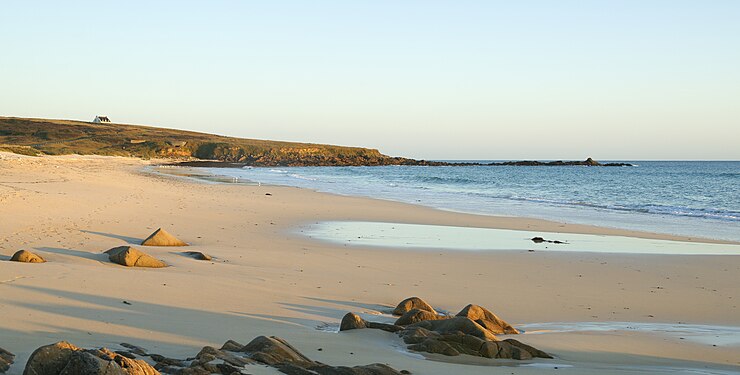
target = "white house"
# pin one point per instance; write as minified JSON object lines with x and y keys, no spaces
{"x":100,"y":119}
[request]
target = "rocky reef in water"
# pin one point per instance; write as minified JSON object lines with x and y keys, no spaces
{"x":376,"y":160}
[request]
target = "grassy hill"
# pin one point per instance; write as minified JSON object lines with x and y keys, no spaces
{"x":57,"y":137}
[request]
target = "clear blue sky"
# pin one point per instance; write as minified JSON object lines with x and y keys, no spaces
{"x":426,"y":79}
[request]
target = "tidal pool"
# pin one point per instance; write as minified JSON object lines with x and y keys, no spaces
{"x":422,"y":236}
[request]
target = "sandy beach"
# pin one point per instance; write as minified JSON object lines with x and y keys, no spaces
{"x":267,"y":279}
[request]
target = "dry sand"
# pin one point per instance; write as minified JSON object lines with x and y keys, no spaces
{"x":266,"y":280}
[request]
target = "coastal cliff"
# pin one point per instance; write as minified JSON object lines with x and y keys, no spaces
{"x":58,"y":137}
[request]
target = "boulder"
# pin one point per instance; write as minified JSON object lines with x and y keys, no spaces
{"x":274,"y":350}
{"x":160,"y":237}
{"x":63,"y":358}
{"x":26,"y":256}
{"x":415,"y":335}
{"x":417,"y":315}
{"x":131,"y":257}
{"x":412,"y":303}
{"x":6,"y":359}
{"x":231,"y":346}
{"x":353,"y":321}
{"x":534,"y":352}
{"x":209,"y":354}
{"x":487,"y":320}
{"x":198,"y":255}
{"x":434,"y":346}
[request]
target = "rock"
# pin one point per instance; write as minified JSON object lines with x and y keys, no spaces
{"x":6,"y":359}
{"x":63,"y":358}
{"x":274,"y":350}
{"x":49,"y":359}
{"x":417,"y":315}
{"x":541,"y":240}
{"x":415,"y":335}
{"x":457,"y":324}
{"x":534,"y":352}
{"x":434,"y":346}
{"x":131,"y":257}
{"x":26,"y":256}
{"x":487,"y":320}
{"x":591,"y":162}
{"x":412,"y":303}
{"x":160,"y":237}
{"x":352,"y":321}
{"x":232,"y":346}
{"x":198,"y":255}
{"x":208,"y":354}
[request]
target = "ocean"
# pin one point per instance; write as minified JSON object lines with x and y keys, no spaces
{"x":678,"y":197}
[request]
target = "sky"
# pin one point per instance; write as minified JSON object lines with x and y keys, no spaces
{"x":613,"y":80}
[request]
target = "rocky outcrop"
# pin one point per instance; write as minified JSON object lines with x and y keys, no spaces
{"x":63,"y":358}
{"x":472,"y":331}
{"x":198,"y":255}
{"x":26,"y":256}
{"x":161,"y":237}
{"x":131,"y":257}
{"x":487,"y":320}
{"x":6,"y":359}
{"x":412,"y":303}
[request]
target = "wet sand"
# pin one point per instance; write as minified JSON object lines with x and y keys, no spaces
{"x":266,"y":279}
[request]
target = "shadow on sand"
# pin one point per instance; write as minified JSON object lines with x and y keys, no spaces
{"x":129,"y":240}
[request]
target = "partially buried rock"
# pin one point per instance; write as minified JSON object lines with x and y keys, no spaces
{"x":416,"y":316}
{"x":352,"y":321}
{"x":25,"y":256}
{"x":198,"y":255}
{"x":131,"y":257}
{"x":6,"y":359}
{"x":412,"y":303}
{"x":487,"y":319}
{"x":541,"y":240}
{"x":63,"y":358}
{"x":160,"y":237}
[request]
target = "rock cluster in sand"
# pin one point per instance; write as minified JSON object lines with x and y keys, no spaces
{"x":131,"y":257}
{"x":26,"y":256}
{"x":6,"y":359}
{"x":64,"y":358}
{"x":160,"y":237}
{"x":472,"y":331}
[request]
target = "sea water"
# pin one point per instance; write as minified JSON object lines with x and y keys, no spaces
{"x":677,"y":197}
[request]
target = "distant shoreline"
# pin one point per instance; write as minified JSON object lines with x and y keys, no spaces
{"x":410,"y":162}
